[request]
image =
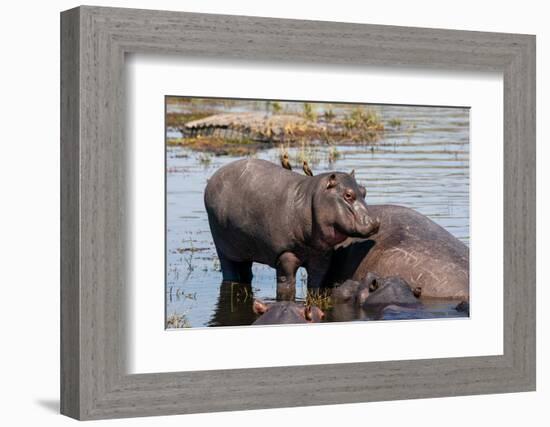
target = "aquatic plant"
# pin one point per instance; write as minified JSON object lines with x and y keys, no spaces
{"x":283,"y":149}
{"x":205,"y":159}
{"x":363,"y":119}
{"x":309,"y":111}
{"x":216,"y":265}
{"x":175,"y":141}
{"x":320,"y":298}
{"x":189,"y":259}
{"x":307,"y":153}
{"x":394,"y":122}
{"x":191,"y":296}
{"x":267,"y":132}
{"x":276,"y":107}
{"x":329,"y":115}
{"x":175,"y":321}
{"x":219,"y":146}
{"x":333,"y":154}
{"x":240,"y":292}
{"x":180,"y":119}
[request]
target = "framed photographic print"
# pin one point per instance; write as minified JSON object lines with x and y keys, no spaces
{"x":252,"y":205}
{"x":414,"y":154}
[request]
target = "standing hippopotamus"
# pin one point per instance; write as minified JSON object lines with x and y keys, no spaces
{"x":286,"y":312}
{"x":409,"y":245}
{"x":260,"y":212}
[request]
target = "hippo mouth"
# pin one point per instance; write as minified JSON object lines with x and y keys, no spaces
{"x":364,"y":227}
{"x":369,"y":229}
{"x":364,"y":232}
{"x":339,"y":236}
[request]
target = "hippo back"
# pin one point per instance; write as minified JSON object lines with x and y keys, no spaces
{"x":409,"y":245}
{"x":246,"y":202}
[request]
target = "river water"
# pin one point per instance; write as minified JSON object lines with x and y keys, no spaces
{"x":423,"y":164}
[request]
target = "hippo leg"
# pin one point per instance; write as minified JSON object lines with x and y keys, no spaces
{"x":287,"y":265}
{"x":233,"y":271}
{"x":316,"y":272}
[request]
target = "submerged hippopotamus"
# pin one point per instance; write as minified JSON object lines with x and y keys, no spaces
{"x":351,"y":292}
{"x":286,"y":312}
{"x":260,"y":212}
{"x":374,"y":290}
{"x":368,"y":298}
{"x":409,"y":245}
{"x":391,"y":290}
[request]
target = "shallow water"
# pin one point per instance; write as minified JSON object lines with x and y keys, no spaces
{"x":423,"y":164}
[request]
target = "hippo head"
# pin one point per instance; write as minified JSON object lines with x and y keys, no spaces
{"x":388,"y":290}
{"x":286,"y":312}
{"x":340,"y":209}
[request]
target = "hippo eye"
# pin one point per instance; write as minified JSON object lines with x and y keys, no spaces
{"x":349,"y":196}
{"x":373,"y":286}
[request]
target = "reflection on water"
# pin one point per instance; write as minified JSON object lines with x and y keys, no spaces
{"x":422,"y":164}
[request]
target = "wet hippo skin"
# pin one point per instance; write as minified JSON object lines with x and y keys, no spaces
{"x":388,"y":291}
{"x":260,"y":212}
{"x":351,"y":292}
{"x":285,"y":312}
{"x":408,"y":245}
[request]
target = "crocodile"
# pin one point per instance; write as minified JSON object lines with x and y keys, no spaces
{"x":256,"y":126}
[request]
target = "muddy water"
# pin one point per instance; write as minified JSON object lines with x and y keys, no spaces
{"x":422,"y":164}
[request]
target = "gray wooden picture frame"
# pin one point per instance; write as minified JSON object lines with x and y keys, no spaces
{"x":94,"y":41}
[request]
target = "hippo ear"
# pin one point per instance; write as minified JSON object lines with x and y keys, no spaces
{"x":363,"y":191}
{"x":331,"y":181}
{"x":316,"y":314}
{"x":259,"y":306}
{"x":352,"y":173}
{"x":321,"y":314}
{"x":307,"y":313}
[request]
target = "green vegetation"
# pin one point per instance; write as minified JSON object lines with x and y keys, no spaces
{"x":329,"y":115}
{"x":218,"y":146}
{"x":320,"y":298}
{"x":205,"y":159}
{"x":216,"y":265}
{"x":189,"y":259}
{"x":306,"y":153}
{"x":177,"y":321}
{"x":244,"y":136}
{"x":395,"y":123}
{"x":180,"y":119}
{"x":276,"y":107}
{"x":363,"y":119}
{"x":181,"y":294}
{"x":333,"y":154}
{"x":309,"y":111}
